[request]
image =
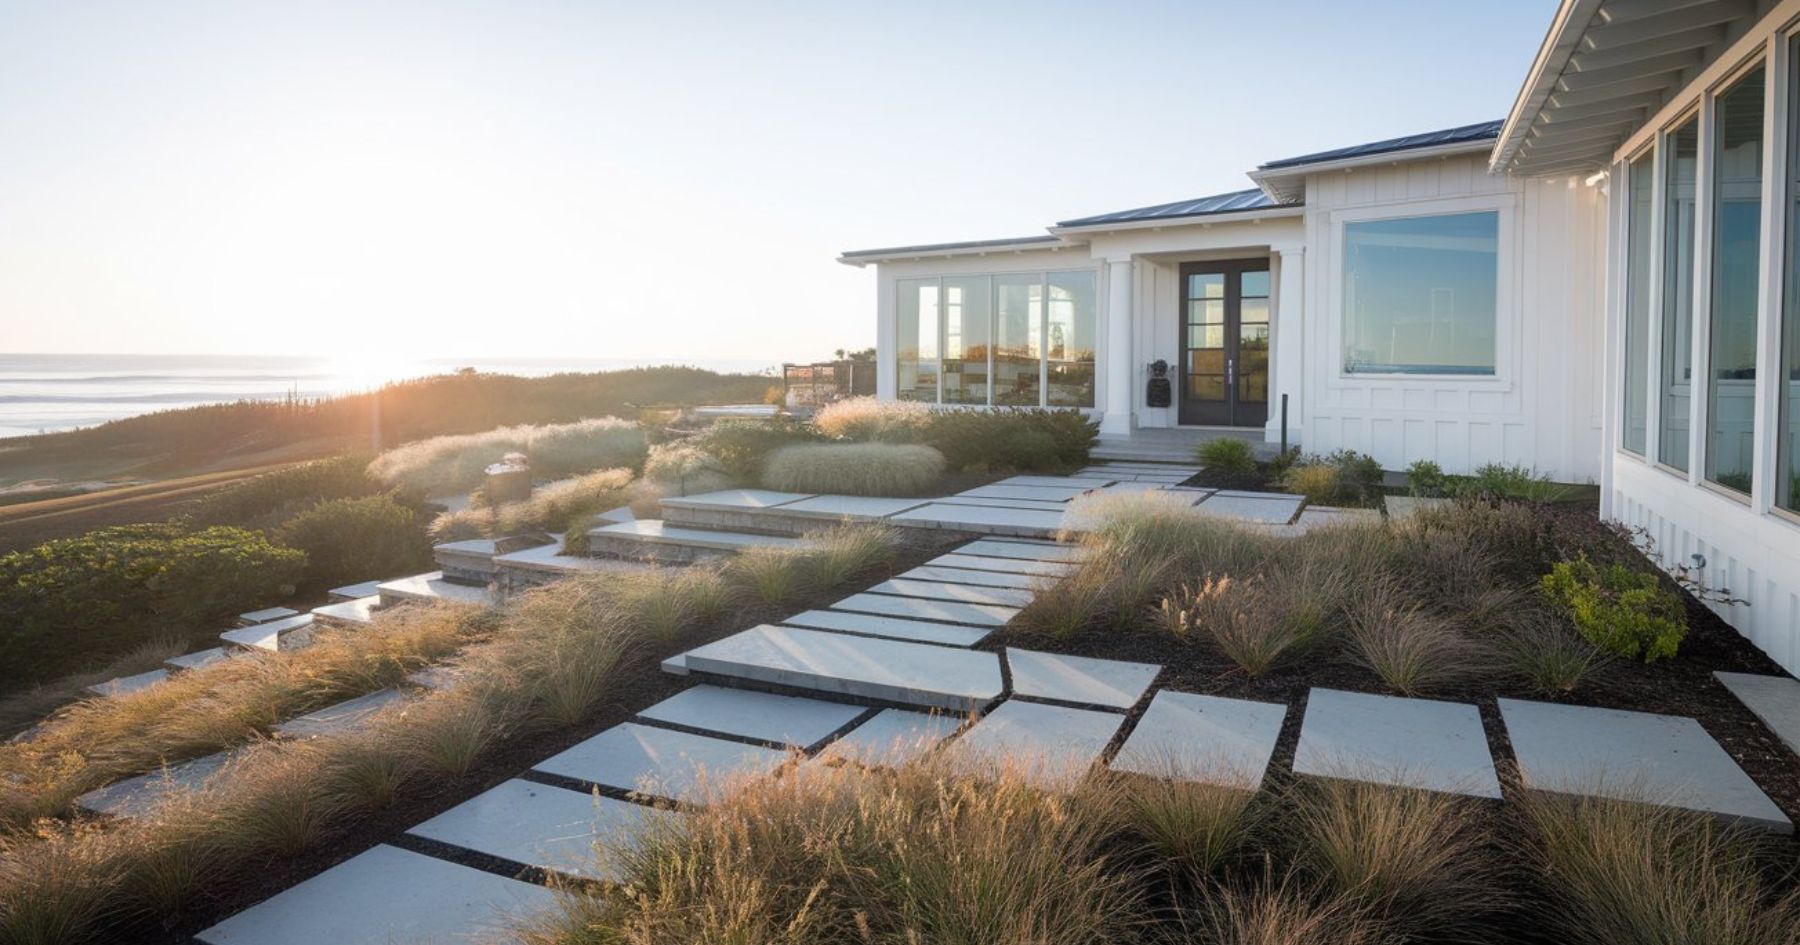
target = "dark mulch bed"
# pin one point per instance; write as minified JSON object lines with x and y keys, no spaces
{"x":637,"y":689}
{"x":1680,"y":686}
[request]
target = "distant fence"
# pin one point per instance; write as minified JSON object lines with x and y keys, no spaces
{"x":815,"y":385}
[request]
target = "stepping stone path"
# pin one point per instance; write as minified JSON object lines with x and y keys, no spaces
{"x":893,"y":738}
{"x":290,"y":633}
{"x":538,"y":825}
{"x":337,"y":718}
{"x":195,"y":660}
{"x":1026,"y":492}
{"x":658,"y":762}
{"x":1023,"y":551}
{"x":382,"y":897}
{"x":1079,"y":679}
{"x":1049,"y":745}
{"x":1773,"y":699}
{"x":933,"y":572}
{"x":1203,"y":738}
{"x":1422,"y":743}
{"x":738,"y":499}
{"x":1000,"y":521}
{"x":126,"y":685}
{"x":349,"y":592}
{"x":977,"y":563}
{"x":1265,"y":507}
{"x":962,"y":593}
{"x":942,"y":611}
{"x":1633,"y":756}
{"x":255,"y":617}
{"x":350,"y":613}
{"x":431,"y":586}
{"x":853,"y":507}
{"x":767,"y":717}
{"x":897,"y":628}
{"x":893,"y":671}
{"x":135,"y":797}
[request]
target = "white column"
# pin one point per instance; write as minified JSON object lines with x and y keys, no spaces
{"x":1287,"y":342}
{"x":1121,"y":371}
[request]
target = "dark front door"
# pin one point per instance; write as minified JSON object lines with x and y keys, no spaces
{"x":1225,"y":343}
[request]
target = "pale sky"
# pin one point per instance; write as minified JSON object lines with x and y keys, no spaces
{"x":648,"y":180}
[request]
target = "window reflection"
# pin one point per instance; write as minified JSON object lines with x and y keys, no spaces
{"x":1736,"y":255}
{"x":1420,"y":294}
{"x":1681,"y":150}
{"x":1001,"y":337}
{"x":916,"y":364}
{"x":1640,"y":185}
{"x":966,"y":330}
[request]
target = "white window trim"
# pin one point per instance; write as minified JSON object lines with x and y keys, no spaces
{"x":1506,"y":291}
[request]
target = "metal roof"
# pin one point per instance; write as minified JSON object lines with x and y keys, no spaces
{"x":1604,"y":68}
{"x":1462,"y":134}
{"x":1235,"y":202}
{"x":930,"y":249}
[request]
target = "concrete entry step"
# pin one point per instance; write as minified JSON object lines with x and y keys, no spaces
{"x":982,"y":519}
{"x":890,"y":671}
{"x":896,"y":628}
{"x":656,"y":540}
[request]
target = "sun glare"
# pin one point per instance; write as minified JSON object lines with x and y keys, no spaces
{"x":369,"y":371}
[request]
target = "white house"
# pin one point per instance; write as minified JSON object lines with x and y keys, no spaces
{"x":1601,"y":286}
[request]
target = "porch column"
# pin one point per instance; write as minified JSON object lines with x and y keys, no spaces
{"x":1287,"y":356}
{"x":1120,"y":371}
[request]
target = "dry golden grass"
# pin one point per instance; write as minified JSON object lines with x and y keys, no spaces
{"x":455,"y":464}
{"x":880,"y":469}
{"x":865,"y":418}
{"x":22,"y":710}
{"x":1412,"y":648}
{"x":554,"y":507}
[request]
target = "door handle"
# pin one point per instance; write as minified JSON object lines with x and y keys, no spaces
{"x":1230,"y":370}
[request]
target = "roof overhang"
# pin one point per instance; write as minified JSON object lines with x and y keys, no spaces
{"x":1287,"y":184}
{"x":1604,"y":68}
{"x":1021,"y":244}
{"x":1169,"y":223}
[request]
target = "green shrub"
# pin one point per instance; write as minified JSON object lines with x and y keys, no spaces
{"x":1359,"y":476}
{"x":349,"y":540}
{"x":1345,"y":477}
{"x":265,"y":500}
{"x":78,"y":599}
{"x":1501,"y":481}
{"x":456,"y":464}
{"x":685,"y":469}
{"x":1426,"y":478}
{"x":1624,"y":612}
{"x":1227,"y":459}
{"x":739,"y":446}
{"x":1020,"y":440}
{"x":1319,"y":482}
{"x":864,"y":418}
{"x":853,"y":468}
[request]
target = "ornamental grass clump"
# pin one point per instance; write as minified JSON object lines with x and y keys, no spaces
{"x":875,"y":469}
{"x":863,"y":419}
{"x":553,"y":507}
{"x":448,"y":465}
{"x":1241,"y":618}
{"x":1412,"y":648}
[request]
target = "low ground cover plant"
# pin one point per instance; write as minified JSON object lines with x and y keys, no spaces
{"x":66,"y":603}
{"x":448,"y":465}
{"x":875,"y":469}
{"x":1627,"y":613}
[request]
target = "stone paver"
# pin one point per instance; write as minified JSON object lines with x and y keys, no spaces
{"x":1135,"y":486}
{"x":663,"y":763}
{"x":983,"y":578}
{"x":126,"y":685}
{"x":1030,"y":493}
{"x":1637,"y":756}
{"x":1027,"y":551}
{"x":894,"y":737}
{"x":897,"y":628}
{"x":656,"y":531}
{"x":738,"y":499}
{"x":1266,"y":508}
{"x":276,"y":635}
{"x":966,"y":593}
{"x":917,"y":608}
{"x":549,"y":559}
{"x":386,"y":896}
{"x":1080,"y":679}
{"x":981,"y":518}
{"x":850,"y":506}
{"x":1195,"y":737}
{"x":1033,"y":505}
{"x":571,"y":832}
{"x":1053,"y":569}
{"x":1054,"y":482}
{"x":134,"y":797}
{"x":431,"y":586}
{"x":354,"y":591}
{"x":1049,"y":745}
{"x":783,"y":720}
{"x":353,"y":613}
{"x":1423,"y":743}
{"x":890,"y":670}
{"x":265,"y":615}
{"x":195,"y":660}
{"x":337,"y":718}
{"x":1774,"y":699}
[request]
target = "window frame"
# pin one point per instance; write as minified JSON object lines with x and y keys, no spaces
{"x":1506,"y":283}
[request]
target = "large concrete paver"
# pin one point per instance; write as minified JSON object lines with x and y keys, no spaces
{"x":983,"y":519}
{"x":932,"y":572}
{"x":1027,"y":551}
{"x":1048,"y":745}
{"x":1194,"y":737}
{"x":937,"y":611}
{"x":893,"y":738}
{"x":136,"y":796}
{"x":897,"y":628}
{"x":1773,"y":699}
{"x":916,"y":674}
{"x":1266,"y":508}
{"x":1047,"y":569}
{"x":1032,"y":493}
{"x":126,"y":685}
{"x":663,"y":763}
{"x":964,"y":593}
{"x":1635,"y":756}
{"x":765,"y":716}
{"x":344,"y":715}
{"x":386,"y":896}
{"x":737,"y":499}
{"x":1422,"y":743}
{"x":571,"y":832}
{"x":1079,"y":679}
{"x":853,"y":507}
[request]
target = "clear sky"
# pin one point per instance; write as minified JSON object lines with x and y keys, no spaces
{"x":658,"y":179}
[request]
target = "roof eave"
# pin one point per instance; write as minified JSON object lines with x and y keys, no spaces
{"x":1287,"y":183}
{"x":1193,"y":219}
{"x":1571,"y":20}
{"x":865,"y":257}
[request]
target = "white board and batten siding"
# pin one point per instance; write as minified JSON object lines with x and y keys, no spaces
{"x":1542,"y":406}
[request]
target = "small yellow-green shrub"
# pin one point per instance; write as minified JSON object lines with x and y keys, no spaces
{"x":853,"y":468}
{"x":1625,"y":612}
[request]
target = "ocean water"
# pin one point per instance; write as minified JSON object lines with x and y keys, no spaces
{"x":45,"y":393}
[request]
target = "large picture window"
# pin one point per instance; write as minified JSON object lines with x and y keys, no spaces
{"x":1013,"y":340}
{"x":1736,"y":270}
{"x":1640,"y":182}
{"x":1421,"y":294}
{"x":1681,"y":152}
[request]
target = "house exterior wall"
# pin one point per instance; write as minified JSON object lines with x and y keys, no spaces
{"x":1542,"y":406}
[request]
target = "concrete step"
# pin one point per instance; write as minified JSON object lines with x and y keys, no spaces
{"x":274,"y":636}
{"x":820,"y":661}
{"x":657,"y":540}
{"x":126,"y":685}
{"x":431,"y":586}
{"x":187,"y":661}
{"x":472,"y":561}
{"x":546,"y":563}
{"x":348,"y":614}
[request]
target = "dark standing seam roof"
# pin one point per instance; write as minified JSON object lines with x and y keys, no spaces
{"x":1485,"y":131}
{"x":1234,"y":202}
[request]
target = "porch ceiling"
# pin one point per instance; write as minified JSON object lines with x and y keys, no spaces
{"x":1604,"y":68}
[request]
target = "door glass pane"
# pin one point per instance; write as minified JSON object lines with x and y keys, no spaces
{"x":1018,"y":322}
{"x":1787,"y":455}
{"x":1255,"y":284}
{"x":916,"y":353}
{"x":1206,"y":312}
{"x":1736,"y":267}
{"x":1206,"y":285}
{"x":1420,"y":294}
{"x":1640,"y":186}
{"x":1253,"y":363}
{"x":1254,"y":310}
{"x":966,"y":330}
{"x":1069,"y":339}
{"x":1681,"y":151}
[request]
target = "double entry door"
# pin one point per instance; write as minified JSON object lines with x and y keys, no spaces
{"x":1225,"y":343}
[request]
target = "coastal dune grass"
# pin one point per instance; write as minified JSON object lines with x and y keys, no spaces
{"x":874,"y":469}
{"x":456,"y":464}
